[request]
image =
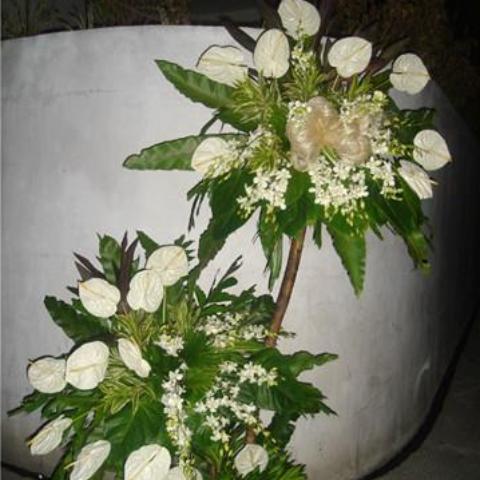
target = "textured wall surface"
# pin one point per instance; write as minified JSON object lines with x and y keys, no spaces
{"x":76,"y":104}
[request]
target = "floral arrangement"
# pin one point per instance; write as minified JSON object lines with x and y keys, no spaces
{"x":168,"y":381}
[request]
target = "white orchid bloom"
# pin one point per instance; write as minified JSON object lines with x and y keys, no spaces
{"x":47,"y":375}
{"x":272,"y":53}
{"x":146,"y":291}
{"x":416,"y":178}
{"x":211,"y":152}
{"x":50,"y":436}
{"x":176,"y":473}
{"x":170,"y":262}
{"x":431,"y":150}
{"x":251,"y":457}
{"x":299,"y":18}
{"x":132,"y":357}
{"x":350,"y":55}
{"x":90,"y":459}
{"x":99,"y":297}
{"x":409,"y":74}
{"x":224,"y":64}
{"x":147,"y":463}
{"x":86,"y":366}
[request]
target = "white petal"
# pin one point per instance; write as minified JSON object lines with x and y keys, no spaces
{"x":416,"y":178}
{"x":148,"y":463}
{"x":170,"y":262}
{"x":223,"y":64}
{"x":90,"y":459}
{"x":299,"y":18}
{"x":177,"y":474}
{"x":272,"y":53}
{"x":210,"y":152}
{"x":50,"y":436}
{"x":146,"y":291}
{"x":350,"y":55}
{"x":132,"y":357}
{"x":47,"y":375}
{"x":409,"y":74}
{"x":252,"y":456}
{"x":99,"y":297}
{"x":86,"y":366}
{"x":431,"y":150}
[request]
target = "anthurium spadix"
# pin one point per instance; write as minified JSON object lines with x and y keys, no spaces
{"x":350,"y":55}
{"x":147,"y":463}
{"x":132,"y":357}
{"x":50,"y":436}
{"x":251,"y":457}
{"x":99,"y":297}
{"x":224,"y":64}
{"x":416,"y":179}
{"x":87,"y":365}
{"x":47,"y":375}
{"x":300,"y":18}
{"x":90,"y":459}
{"x":177,"y":473}
{"x":430,"y":150}
{"x":146,"y":291}
{"x":272,"y":53}
{"x":170,"y":262}
{"x":409,"y":74}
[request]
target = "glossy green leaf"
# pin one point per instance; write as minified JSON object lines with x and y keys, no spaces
{"x":110,"y":257}
{"x":147,"y":243}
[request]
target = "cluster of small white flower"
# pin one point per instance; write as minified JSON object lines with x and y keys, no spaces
{"x":259,"y":138}
{"x":267,"y":186}
{"x":363,"y":104}
{"x":302,"y":59}
{"x":297,"y":111}
{"x":229,"y":160}
{"x":382,"y":172}
{"x":172,"y":344}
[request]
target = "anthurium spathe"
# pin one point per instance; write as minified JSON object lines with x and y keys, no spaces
{"x":147,"y":463}
{"x":47,"y":375}
{"x":170,"y":262}
{"x":272,"y":53}
{"x":224,"y":64}
{"x":86,"y":366}
{"x":132,"y":357}
{"x":177,"y":473}
{"x":209,"y":155}
{"x":350,"y":55}
{"x":430,"y":150}
{"x":409,"y":74}
{"x":90,"y":459}
{"x":251,"y":457}
{"x":146,"y":291}
{"x":50,"y":436}
{"x":417,"y":179}
{"x":300,"y":18}
{"x":99,"y":297}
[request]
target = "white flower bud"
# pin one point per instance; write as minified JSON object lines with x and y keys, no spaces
{"x":147,"y":463}
{"x":299,"y":18}
{"x":146,"y":291}
{"x":50,"y":436}
{"x":223,"y":64}
{"x":251,"y":457}
{"x":86,"y":366}
{"x":170,"y":262}
{"x":90,"y":459}
{"x":409,"y":74}
{"x":132,"y":357}
{"x":416,"y":179}
{"x":47,"y":375}
{"x":99,"y":297}
{"x":350,"y":55}
{"x":272,"y":53}
{"x":431,"y":150}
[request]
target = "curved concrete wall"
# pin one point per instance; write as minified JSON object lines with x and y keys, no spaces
{"x":76,"y":104}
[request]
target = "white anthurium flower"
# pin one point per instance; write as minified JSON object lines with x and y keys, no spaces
{"x":132,"y":357}
{"x":50,"y":436}
{"x":409,"y":74}
{"x":417,"y":179}
{"x":272,"y":53}
{"x":299,"y":18}
{"x":99,"y":297}
{"x":146,"y":291}
{"x":90,"y":459}
{"x":224,"y":64}
{"x":176,"y":473}
{"x":350,"y":55}
{"x":209,"y":153}
{"x":170,"y":262}
{"x":251,"y":457}
{"x":86,"y":366}
{"x":147,"y":463}
{"x":431,"y":150}
{"x":47,"y":375}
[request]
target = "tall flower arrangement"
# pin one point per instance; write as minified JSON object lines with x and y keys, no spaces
{"x":169,"y":381}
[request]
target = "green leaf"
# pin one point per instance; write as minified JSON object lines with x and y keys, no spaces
{"x":171,"y":154}
{"x":110,"y":257}
{"x":301,"y":361}
{"x":282,"y":427}
{"x":147,"y":243}
{"x":317,"y":234}
{"x":31,"y":402}
{"x":351,"y":249}
{"x":78,"y":326}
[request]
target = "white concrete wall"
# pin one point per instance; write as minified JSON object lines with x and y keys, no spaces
{"x":76,"y":104}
